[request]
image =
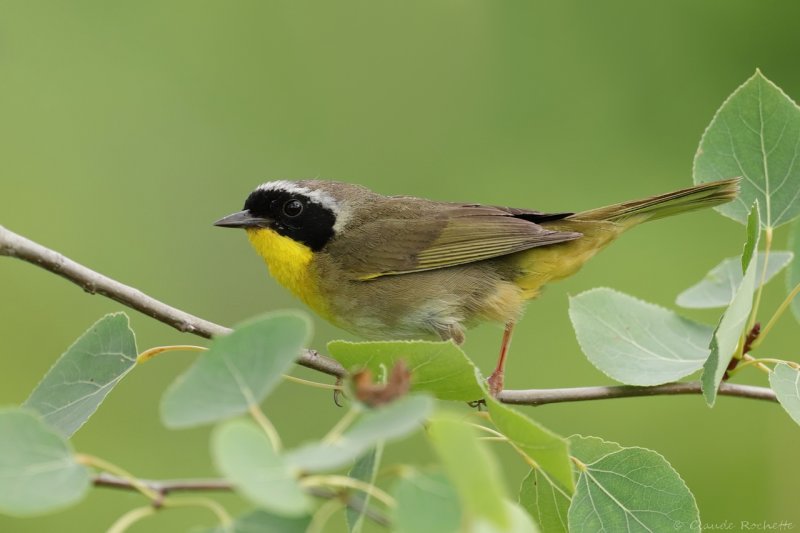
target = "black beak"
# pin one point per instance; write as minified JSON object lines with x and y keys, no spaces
{"x":242,"y":219}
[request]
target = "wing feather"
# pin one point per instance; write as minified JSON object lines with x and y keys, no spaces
{"x":443,"y":236}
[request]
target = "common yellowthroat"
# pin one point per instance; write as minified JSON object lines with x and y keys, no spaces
{"x":399,"y":267}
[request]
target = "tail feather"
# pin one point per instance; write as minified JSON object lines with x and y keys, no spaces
{"x":665,"y":205}
{"x":602,"y":226}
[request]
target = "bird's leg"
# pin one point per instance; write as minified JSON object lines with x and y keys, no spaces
{"x":496,"y":379}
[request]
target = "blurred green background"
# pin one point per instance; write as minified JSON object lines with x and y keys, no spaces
{"x":127,"y":128}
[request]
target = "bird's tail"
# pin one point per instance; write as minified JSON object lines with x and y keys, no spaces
{"x":665,"y":205}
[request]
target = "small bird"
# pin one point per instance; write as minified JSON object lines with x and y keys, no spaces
{"x":400,"y":267}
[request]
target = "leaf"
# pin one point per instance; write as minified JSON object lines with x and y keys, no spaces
{"x":636,"y":342}
{"x":793,"y":274}
{"x":238,"y":370}
{"x":756,"y":135}
{"x":730,"y":328}
{"x":244,"y":455}
{"x":545,"y":448}
{"x":520,"y":522}
{"x":545,"y":501}
{"x":752,"y":233}
{"x":426,"y":503}
{"x":38,"y":471}
{"x":785,"y":381}
{"x":592,"y":449}
{"x":263,"y":522}
{"x":381,"y":424}
{"x":440,"y":368}
{"x":628,"y":489}
{"x":471,"y":468}
{"x":82,"y":377}
{"x":717,"y":288}
{"x":365,"y":469}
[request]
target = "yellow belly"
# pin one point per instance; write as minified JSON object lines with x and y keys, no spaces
{"x":289,"y":262}
{"x":558,"y":261}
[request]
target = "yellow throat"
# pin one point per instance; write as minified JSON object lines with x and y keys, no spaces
{"x":289,"y":262}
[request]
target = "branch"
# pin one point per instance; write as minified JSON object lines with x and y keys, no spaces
{"x":165,"y":487}
{"x":13,"y":245}
{"x":582,"y":394}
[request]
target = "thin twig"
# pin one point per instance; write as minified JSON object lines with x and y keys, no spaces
{"x":581,"y":394}
{"x":14,"y":245}
{"x":165,"y":487}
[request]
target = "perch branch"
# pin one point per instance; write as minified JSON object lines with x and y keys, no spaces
{"x":13,"y":245}
{"x":581,"y":394}
{"x":166,"y":487}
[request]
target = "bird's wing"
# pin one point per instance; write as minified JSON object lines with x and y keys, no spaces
{"x":449,"y":235}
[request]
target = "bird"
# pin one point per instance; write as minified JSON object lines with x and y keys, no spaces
{"x":402,"y":267}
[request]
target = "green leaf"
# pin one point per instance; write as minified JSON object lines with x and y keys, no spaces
{"x":752,"y":234}
{"x":38,"y":471}
{"x":545,"y":448}
{"x":80,"y":380}
{"x":793,"y":274}
{"x":471,"y":468}
{"x":440,"y":368}
{"x":628,"y":489}
{"x":365,"y":469}
{"x":755,"y":135}
{"x":426,"y":503}
{"x":636,"y":342}
{"x":545,"y":501}
{"x":785,"y":381}
{"x":592,"y":449}
{"x":244,"y":454}
{"x":263,"y":522}
{"x":730,"y":329}
{"x":520,"y":522}
{"x":717,"y":288}
{"x":238,"y":370}
{"x":387,"y":423}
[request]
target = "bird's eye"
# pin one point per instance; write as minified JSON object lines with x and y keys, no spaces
{"x":292,"y":208}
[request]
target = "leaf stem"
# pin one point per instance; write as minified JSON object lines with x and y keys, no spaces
{"x":323,"y":514}
{"x":262,"y":420}
{"x":310,"y":383}
{"x":343,"y":423}
{"x":131,"y":517}
{"x":762,"y":281}
{"x":225,"y":519}
{"x":497,"y":436}
{"x":761,"y":366}
{"x":377,"y":457}
{"x":152,"y":352}
{"x":102,"y":464}
{"x":750,"y":361}
{"x":351,"y":483}
{"x":778,"y":313}
{"x":487,"y":429}
{"x":579,"y":464}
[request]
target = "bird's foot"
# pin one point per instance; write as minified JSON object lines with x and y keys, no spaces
{"x":338,"y":393}
{"x":480,"y":405}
